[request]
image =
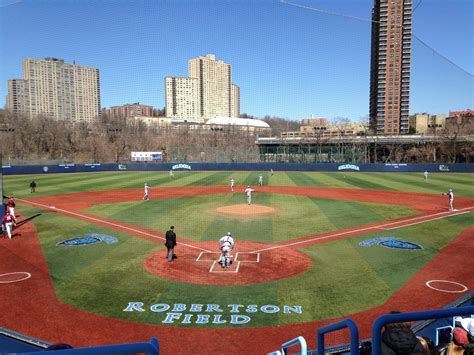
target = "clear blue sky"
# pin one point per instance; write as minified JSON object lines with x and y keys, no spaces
{"x":288,"y":61}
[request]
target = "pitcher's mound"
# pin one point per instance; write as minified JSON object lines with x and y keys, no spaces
{"x":245,"y":210}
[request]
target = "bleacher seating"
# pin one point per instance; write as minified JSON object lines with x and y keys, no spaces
{"x":464,"y":307}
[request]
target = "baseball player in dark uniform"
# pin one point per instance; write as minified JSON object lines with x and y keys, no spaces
{"x":170,"y":243}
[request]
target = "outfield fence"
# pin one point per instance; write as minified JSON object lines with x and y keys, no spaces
{"x":275,"y":167}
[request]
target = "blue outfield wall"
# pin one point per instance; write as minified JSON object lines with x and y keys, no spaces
{"x":81,"y":168}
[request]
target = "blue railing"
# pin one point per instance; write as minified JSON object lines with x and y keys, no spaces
{"x":284,"y":347}
{"x":412,"y":316}
{"x":151,"y":348}
{"x":346,"y":323}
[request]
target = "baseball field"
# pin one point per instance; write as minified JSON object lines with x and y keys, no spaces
{"x":87,"y":264}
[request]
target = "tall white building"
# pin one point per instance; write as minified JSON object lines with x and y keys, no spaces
{"x":182,"y":98}
{"x":235,"y":101}
{"x":55,"y":89}
{"x":216,"y":95}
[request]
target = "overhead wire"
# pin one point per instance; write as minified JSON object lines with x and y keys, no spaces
{"x":311,"y":8}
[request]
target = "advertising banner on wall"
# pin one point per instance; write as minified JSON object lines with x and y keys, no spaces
{"x":147,"y":156}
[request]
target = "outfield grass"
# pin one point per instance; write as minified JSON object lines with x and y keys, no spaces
{"x":53,"y":184}
{"x":345,"y":277}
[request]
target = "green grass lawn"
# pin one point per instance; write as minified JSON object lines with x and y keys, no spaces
{"x":195,"y":217}
{"x":345,"y":277}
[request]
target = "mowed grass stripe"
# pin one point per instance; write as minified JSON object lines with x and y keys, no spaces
{"x":278,"y":179}
{"x":302,"y":179}
{"x":409,"y":182}
{"x":358,"y":180}
{"x":298,"y":216}
{"x":213,"y":178}
{"x":333,"y":284}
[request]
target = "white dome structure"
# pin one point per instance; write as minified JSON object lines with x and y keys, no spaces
{"x":234,"y":121}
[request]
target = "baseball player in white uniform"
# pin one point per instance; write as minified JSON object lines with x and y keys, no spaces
{"x":145,"y":192}
{"x":171,"y":173}
{"x":232,"y":184}
{"x":226,"y":245}
{"x":248,"y":192}
{"x":425,"y":175}
{"x":260,"y":180}
{"x":450,"y":195}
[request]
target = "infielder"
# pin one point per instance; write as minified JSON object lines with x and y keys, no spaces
{"x":232,"y":184}
{"x":145,"y":192}
{"x":248,"y":192}
{"x":9,"y":222}
{"x":11,"y":207}
{"x":226,"y":245}
{"x":450,"y":195}
{"x":260,"y":180}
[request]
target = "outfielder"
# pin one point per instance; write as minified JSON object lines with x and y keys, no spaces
{"x":260,"y":180}
{"x":425,"y":175}
{"x":145,"y":192}
{"x":232,"y":184}
{"x":226,"y":245}
{"x":450,"y":195}
{"x":248,"y":192}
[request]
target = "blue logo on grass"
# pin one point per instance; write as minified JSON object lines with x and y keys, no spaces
{"x":103,"y":237}
{"x":79,"y":241}
{"x":90,"y":238}
{"x":391,"y":242}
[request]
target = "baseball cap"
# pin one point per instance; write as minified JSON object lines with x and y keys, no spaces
{"x":228,"y":233}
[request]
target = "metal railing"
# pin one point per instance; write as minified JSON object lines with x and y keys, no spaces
{"x":284,"y":347}
{"x":346,"y":323}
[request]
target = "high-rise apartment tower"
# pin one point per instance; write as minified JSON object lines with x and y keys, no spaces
{"x":55,"y":89}
{"x":206,"y":93}
{"x":390,"y":66}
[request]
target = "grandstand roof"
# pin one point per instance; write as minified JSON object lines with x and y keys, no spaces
{"x":234,"y":121}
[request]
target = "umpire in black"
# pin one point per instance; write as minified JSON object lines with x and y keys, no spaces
{"x":170,"y":243}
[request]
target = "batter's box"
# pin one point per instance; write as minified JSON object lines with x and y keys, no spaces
{"x":208,"y":256}
{"x":216,"y":267}
{"x":247,"y":257}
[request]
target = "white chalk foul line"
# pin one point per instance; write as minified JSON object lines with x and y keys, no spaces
{"x":426,"y":219}
{"x":109,"y":223}
{"x":433,"y":219}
